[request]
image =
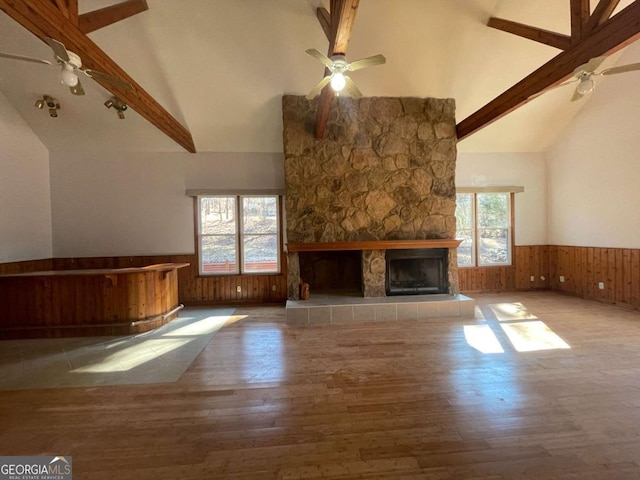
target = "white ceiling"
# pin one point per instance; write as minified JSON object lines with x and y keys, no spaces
{"x":221,"y":67}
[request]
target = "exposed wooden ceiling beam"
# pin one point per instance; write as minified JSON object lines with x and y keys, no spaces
{"x":43,"y":19}
{"x":580,"y":10}
{"x":553,"y":39}
{"x":69,"y":9}
{"x":325,"y":21}
{"x":91,"y":21}
{"x":616,"y":33}
{"x":342,"y":17}
{"x":601,"y":14}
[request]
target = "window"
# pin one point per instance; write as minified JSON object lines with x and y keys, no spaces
{"x":239,"y":234}
{"x":484,"y":226}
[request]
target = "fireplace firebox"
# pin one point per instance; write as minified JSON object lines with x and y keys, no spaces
{"x":417,"y":272}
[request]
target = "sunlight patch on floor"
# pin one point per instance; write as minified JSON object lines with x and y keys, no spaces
{"x":524,"y":331}
{"x":511,"y":311}
{"x":134,"y":356}
{"x":205,"y":326}
{"x":158,"y":356}
{"x":151,"y":345}
{"x":482,"y":338}
{"x":533,"y":336}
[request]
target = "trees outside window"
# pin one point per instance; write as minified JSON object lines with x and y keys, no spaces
{"x":484,"y":226}
{"x":239,"y":234}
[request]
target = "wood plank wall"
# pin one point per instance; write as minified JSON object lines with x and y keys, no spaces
{"x":584,"y":267}
{"x":26,"y":266}
{"x":530,"y":260}
{"x":194,"y":289}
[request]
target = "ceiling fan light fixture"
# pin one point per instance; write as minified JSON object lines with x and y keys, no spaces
{"x":338,"y":81}
{"x":68,"y":77}
{"x":40,"y":103}
{"x":586,"y":85}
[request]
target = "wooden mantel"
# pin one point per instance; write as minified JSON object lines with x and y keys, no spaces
{"x":372,"y":245}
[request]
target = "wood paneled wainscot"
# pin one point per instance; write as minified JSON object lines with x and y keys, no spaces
{"x":528,"y":261}
{"x":66,"y":303}
{"x":609,"y":275}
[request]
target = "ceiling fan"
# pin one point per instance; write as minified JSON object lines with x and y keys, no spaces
{"x":585,"y":73}
{"x":338,"y":66}
{"x":71,"y":65}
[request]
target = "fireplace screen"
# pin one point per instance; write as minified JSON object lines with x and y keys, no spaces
{"x":416,"y":272}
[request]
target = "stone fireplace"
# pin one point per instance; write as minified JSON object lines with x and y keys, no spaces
{"x":381,"y":180}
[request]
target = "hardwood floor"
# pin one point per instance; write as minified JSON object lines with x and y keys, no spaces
{"x":398,"y":400}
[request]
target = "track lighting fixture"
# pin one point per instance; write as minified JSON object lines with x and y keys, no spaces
{"x":51,"y":103}
{"x":118,"y":104}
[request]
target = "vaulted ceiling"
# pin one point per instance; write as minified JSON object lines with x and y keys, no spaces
{"x":208,"y":75}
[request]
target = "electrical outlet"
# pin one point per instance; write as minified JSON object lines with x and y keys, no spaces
{"x":561,"y":278}
{"x":533,"y":279}
{"x":601,"y":285}
{"x":274,"y":288}
{"x":239,"y":289}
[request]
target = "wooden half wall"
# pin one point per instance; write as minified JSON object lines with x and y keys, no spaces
{"x":193,"y":289}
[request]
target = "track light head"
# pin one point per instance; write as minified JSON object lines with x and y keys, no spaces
{"x":51,"y":103}
{"x":118,"y":104}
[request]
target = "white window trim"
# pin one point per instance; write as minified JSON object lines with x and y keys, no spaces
{"x":239,"y":234}
{"x":474,"y":191}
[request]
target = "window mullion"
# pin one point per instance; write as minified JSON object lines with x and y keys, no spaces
{"x":476,"y":253}
{"x":240,"y":233}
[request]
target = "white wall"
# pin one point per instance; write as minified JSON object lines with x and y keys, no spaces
{"x":108,"y":204}
{"x":25,"y":203}
{"x":594,"y":168}
{"x":512,"y":169}
{"x":134,"y":203}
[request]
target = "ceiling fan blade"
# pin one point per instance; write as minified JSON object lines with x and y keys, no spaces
{"x":320,"y":56}
{"x":553,"y":87}
{"x":318,"y":88}
{"x":590,"y":66}
{"x":621,"y":69}
{"x":576,"y":95}
{"x":77,"y":89}
{"x":59,"y":50}
{"x":367,"y":62}
{"x":26,"y":59}
{"x":106,"y":78}
{"x":351,"y":88}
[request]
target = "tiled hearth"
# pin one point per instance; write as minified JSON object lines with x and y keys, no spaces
{"x":327,"y":308}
